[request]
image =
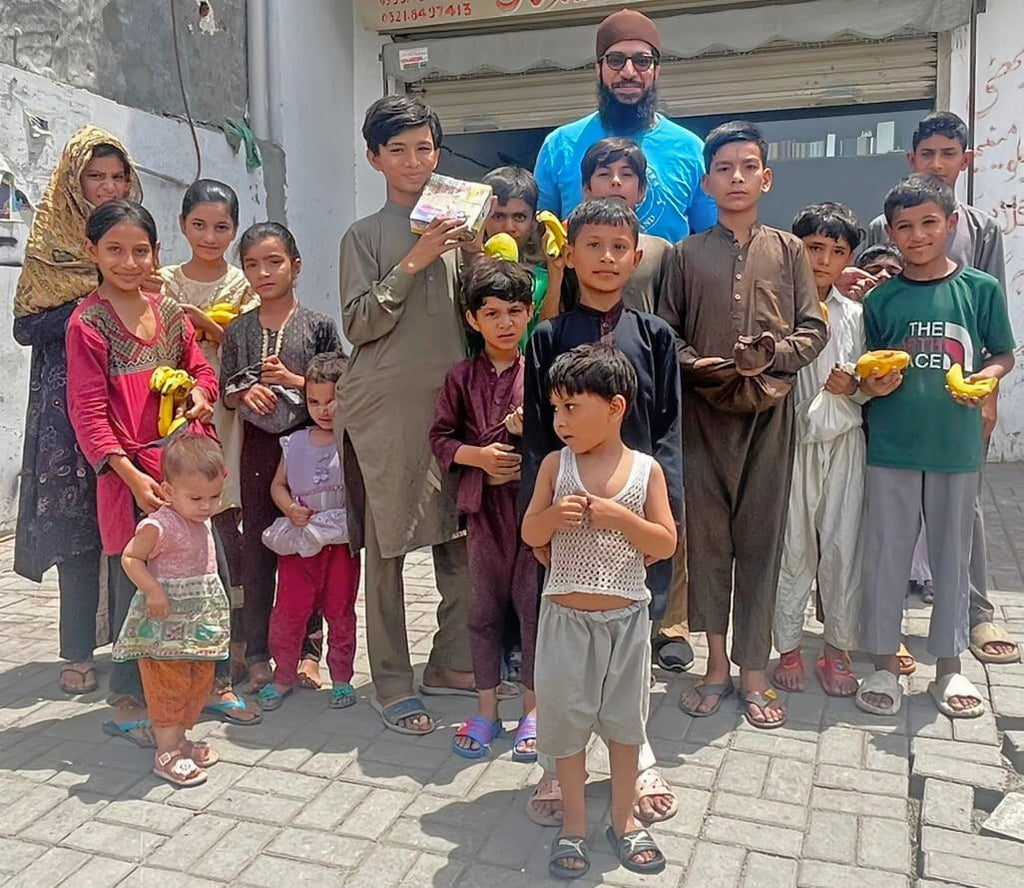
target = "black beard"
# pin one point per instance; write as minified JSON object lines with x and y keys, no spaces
{"x":618,"y":117}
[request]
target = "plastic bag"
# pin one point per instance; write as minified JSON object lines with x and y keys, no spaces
{"x":327,"y":528}
{"x":825,"y":417}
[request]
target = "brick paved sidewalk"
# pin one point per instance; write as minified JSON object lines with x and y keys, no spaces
{"x":321,"y":797}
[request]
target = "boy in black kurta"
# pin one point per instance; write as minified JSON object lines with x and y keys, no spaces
{"x":603,"y":237}
{"x":744,"y":305}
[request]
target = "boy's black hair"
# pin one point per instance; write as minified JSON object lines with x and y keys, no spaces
{"x":261,"y":231}
{"x":593,"y":368}
{"x":513,"y":183}
{"x":734,"y":131}
{"x":602,"y":211}
{"x":941,"y":123}
{"x":326,"y":367}
{"x":188,"y":454}
{"x":607,"y":151}
{"x":831,"y":220}
{"x":388,"y":117}
{"x":508,"y":281}
{"x":871,"y":254}
{"x":916,"y":190}
{"x":210,"y":191}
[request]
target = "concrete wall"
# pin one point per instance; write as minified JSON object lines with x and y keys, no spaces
{"x":123,"y":50}
{"x":324,"y":70}
{"x":161,"y":147}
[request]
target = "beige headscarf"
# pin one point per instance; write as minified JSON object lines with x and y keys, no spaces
{"x":57,"y":269}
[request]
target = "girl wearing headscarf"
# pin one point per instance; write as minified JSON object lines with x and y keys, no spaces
{"x":57,"y":503}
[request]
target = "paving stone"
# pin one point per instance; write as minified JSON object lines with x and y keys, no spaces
{"x":715,"y":866}
{"x":64,"y":819}
{"x":1008,"y":705}
{"x":764,"y":871}
{"x":788,"y":781}
{"x":190,"y":843}
{"x":49,"y":869}
{"x":884,"y":844}
{"x":273,"y":872}
{"x":426,"y":834}
{"x":1007,"y":821}
{"x":858,"y":780}
{"x":989,"y":782}
{"x":820,"y":874}
{"x":852,"y":802}
{"x":232,"y":853}
{"x":318,"y":847}
{"x":113,"y":839}
{"x":947,"y":805}
{"x":149,"y":877}
{"x":254,"y":806}
{"x":281,"y":783}
{"x":99,"y":872}
{"x":841,"y":746}
{"x":145,"y":815}
{"x":375,"y":813}
{"x":969,"y":872}
{"x":981,"y":730}
{"x":332,"y":806}
{"x":888,"y":753}
{"x":967,"y":752}
{"x":960,"y":844}
{"x":832,"y":837}
{"x":15,"y":854}
{"x":755,"y":836}
{"x":762,"y":810}
{"x":1013,"y":749}
{"x":765,"y":743}
{"x":513,"y":838}
{"x":400,"y":861}
{"x":30,"y":808}
{"x":435,"y":871}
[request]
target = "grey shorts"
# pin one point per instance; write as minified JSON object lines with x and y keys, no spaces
{"x":592,"y":676}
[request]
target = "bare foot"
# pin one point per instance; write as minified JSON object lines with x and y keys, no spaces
{"x":694,"y":701}
{"x":640,"y":857}
{"x":789,"y":675}
{"x":654,"y":798}
{"x":999,"y":648}
{"x":440,"y":677}
{"x":421,"y":723}
{"x":835,"y":673}
{"x":755,"y":682}
{"x":547,"y":808}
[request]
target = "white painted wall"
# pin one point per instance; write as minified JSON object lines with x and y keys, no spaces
{"x":162,"y":149}
{"x":324,"y":71}
{"x":999,"y":180}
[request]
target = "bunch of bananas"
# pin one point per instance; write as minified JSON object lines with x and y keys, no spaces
{"x":555,"y":236}
{"x":173,"y":387}
{"x":222,"y":313}
{"x":502,"y":246}
{"x":960,"y":386}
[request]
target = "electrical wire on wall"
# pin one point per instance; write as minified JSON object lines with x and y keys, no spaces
{"x":184,"y":95}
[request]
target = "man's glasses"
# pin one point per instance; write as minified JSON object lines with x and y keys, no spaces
{"x":642,"y":61}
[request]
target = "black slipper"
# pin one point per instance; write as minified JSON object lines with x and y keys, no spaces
{"x":674,"y":654}
{"x":568,"y":848}
{"x":634,"y":842}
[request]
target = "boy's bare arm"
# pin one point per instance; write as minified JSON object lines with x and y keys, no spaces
{"x":810,"y":333}
{"x":282,"y":496}
{"x":654,"y":532}
{"x":543,"y":517}
{"x":995,"y":368}
{"x":138,"y":551}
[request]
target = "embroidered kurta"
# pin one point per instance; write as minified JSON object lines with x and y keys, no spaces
{"x":406,"y":333}
{"x":110,"y":403}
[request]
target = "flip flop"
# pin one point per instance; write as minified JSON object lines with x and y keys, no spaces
{"x":510,"y":692}
{"x":342,"y":695}
{"x":124,"y":730}
{"x":271,"y":698}
{"x":673,"y":654}
{"x":986,"y":633}
{"x":955,"y":684}
{"x":908,"y":665}
{"x":569,"y":848}
{"x":633,"y":842}
{"x":651,"y":783}
{"x":393,"y":713}
{"x":723,"y":690}
{"x":884,"y":683}
{"x":546,"y":790}
{"x":762,"y":700}
{"x":85,"y":670}
{"x":480,"y":731}
{"x":224,"y":709}
{"x":831,"y":671}
{"x":525,"y":730}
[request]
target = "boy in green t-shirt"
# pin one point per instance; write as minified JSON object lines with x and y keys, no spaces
{"x":925,"y":447}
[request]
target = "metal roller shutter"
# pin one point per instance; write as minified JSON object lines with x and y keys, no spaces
{"x":840,"y":73}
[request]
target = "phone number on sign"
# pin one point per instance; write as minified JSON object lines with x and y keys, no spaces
{"x":433,"y":13}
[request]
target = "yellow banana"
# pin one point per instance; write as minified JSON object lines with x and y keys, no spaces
{"x":555,"y":236}
{"x":824,"y":311}
{"x":502,"y":246}
{"x":224,"y":306}
{"x":882,"y":360}
{"x":173,"y":387}
{"x":957,"y":384}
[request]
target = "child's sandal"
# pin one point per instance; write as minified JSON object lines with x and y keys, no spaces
{"x":342,"y":695}
{"x":176,"y":768}
{"x":569,"y":848}
{"x":204,"y":755}
{"x":271,"y":698}
{"x":526,"y":730}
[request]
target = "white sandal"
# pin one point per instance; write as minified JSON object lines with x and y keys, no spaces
{"x":651,"y":783}
{"x":883,"y":683}
{"x":956,"y":684}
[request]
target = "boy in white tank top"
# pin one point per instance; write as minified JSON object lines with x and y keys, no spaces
{"x":604,"y":511}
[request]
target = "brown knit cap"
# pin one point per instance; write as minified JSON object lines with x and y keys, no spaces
{"x":627,"y":24}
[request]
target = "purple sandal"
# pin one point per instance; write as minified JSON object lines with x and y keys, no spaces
{"x":480,"y":731}
{"x":525,"y":730}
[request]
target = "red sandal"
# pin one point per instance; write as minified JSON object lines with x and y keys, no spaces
{"x":790,"y":663}
{"x":831,"y":671}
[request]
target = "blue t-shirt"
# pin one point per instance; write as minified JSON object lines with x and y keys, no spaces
{"x":675,"y":205}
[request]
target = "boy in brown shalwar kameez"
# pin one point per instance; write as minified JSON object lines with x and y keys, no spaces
{"x":743,"y":303}
{"x":398,"y":311}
